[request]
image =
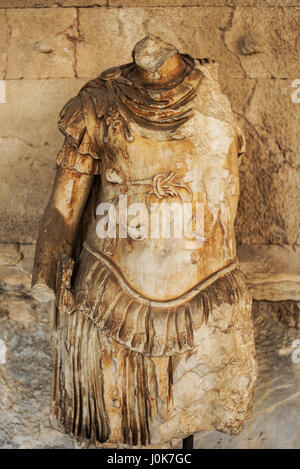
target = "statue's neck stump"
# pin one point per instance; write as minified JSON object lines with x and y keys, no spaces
{"x":171,"y":70}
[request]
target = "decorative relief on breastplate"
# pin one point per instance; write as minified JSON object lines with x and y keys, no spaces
{"x":117,"y":134}
{"x":163,"y":185}
{"x":113,"y":176}
{"x":115,"y":120}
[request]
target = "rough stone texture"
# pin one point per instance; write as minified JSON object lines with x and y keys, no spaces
{"x":51,"y":3}
{"x":269,"y":171}
{"x":286,"y":312}
{"x":264,"y":55}
{"x":25,"y":373}
{"x":141,"y":3}
{"x":25,"y":369}
{"x":236,"y":38}
{"x":41,"y":43}
{"x":10,"y":254}
{"x":25,"y":385}
{"x":272,"y":272}
{"x":4,"y":34}
{"x":29,"y":143}
{"x":275,"y":422}
{"x":197,"y":31}
{"x":203,"y":3}
{"x":151,"y":52}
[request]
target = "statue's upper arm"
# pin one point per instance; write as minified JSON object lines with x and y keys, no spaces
{"x":70,"y":193}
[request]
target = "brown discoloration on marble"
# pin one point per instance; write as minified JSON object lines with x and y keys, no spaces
{"x":153,"y":337}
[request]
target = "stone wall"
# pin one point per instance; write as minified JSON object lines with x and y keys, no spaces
{"x":48,"y":50}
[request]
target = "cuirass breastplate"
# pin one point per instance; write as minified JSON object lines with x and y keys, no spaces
{"x":200,"y":168}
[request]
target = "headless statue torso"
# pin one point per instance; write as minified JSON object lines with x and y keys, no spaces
{"x":162,"y":147}
{"x":143,"y":354}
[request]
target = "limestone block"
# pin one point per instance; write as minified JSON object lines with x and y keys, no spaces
{"x":50,"y":3}
{"x":166,"y":3}
{"x":42,"y":43}
{"x":237,"y":39}
{"x":4,"y":34}
{"x":108,"y":35}
{"x":205,"y":3}
{"x":266,"y":41}
{"x":269,"y":171}
{"x":30,"y":141}
{"x":21,"y":311}
{"x":27,"y":251}
{"x":14,"y":277}
{"x":142,"y":3}
{"x":9,"y":254}
{"x":272,"y":272}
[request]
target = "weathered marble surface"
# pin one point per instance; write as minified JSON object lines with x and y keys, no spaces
{"x":26,"y":374}
{"x":177,"y":347}
{"x":275,"y":424}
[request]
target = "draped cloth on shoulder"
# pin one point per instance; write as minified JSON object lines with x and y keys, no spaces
{"x":163,"y":108}
{"x":80,"y":118}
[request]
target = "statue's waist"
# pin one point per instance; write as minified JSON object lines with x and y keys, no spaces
{"x":151,"y":327}
{"x":160,"y":269}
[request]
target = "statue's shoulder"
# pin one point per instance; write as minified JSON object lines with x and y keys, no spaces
{"x":82,"y":112}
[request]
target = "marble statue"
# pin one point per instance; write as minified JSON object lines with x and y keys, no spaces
{"x":151,"y":330}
